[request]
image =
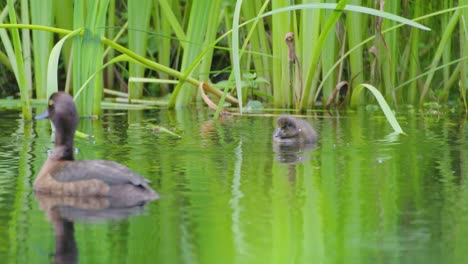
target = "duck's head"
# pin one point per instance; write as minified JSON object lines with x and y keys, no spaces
{"x":62,"y":112}
{"x":286,"y":127}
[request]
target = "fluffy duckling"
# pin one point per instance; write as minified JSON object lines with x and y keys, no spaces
{"x":291,"y":130}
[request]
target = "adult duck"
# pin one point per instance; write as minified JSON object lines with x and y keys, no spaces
{"x":62,"y":175}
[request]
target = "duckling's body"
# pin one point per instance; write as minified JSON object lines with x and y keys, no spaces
{"x":61,"y":175}
{"x":292,"y":130}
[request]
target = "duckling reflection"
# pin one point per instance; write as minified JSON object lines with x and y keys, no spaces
{"x":64,"y":211}
{"x":293,"y":140}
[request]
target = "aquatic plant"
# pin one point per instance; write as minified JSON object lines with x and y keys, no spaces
{"x":215,"y":42}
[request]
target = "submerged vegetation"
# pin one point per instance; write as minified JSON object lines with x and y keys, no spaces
{"x":308,"y":55}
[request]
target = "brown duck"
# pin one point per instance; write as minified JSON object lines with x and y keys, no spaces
{"x":62,"y":175}
{"x":291,"y":130}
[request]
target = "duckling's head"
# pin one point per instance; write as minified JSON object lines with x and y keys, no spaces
{"x":287,"y":127}
{"x":62,"y":112}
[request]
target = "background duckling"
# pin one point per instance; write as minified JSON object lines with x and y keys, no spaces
{"x":61,"y":175}
{"x":292,"y":130}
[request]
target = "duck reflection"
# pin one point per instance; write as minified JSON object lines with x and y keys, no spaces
{"x":63,"y":212}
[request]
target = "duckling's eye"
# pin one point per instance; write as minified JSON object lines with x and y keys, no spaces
{"x":51,"y":102}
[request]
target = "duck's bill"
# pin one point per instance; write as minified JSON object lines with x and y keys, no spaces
{"x":43,"y":115}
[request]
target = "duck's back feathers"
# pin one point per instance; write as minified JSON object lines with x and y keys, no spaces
{"x":110,"y":172}
{"x":95,"y":178}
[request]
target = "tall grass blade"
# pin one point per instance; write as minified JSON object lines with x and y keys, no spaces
{"x":7,"y":45}
{"x":199,"y":30}
{"x":64,"y":19}
{"x":308,"y":88}
{"x":77,"y":72}
{"x":41,"y":14}
{"x":21,"y":77}
{"x":281,"y":25}
{"x":257,"y":39}
{"x":138,"y":22}
{"x":53,"y":63}
{"x":414,"y":57}
{"x":328,"y":55}
{"x":438,"y":54}
{"x":383,"y":105}
{"x":26,"y":43}
{"x":117,"y":59}
{"x":110,"y":53}
{"x":388,"y":52}
{"x":170,"y":18}
{"x":88,"y":54}
{"x":166,"y":18}
{"x":235,"y":52}
{"x":464,"y":53}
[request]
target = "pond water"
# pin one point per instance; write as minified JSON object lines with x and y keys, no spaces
{"x":227,"y":196}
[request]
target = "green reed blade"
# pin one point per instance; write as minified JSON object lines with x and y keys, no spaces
{"x":438,"y":54}
{"x":328,"y":57}
{"x":109,"y":54}
{"x":21,"y":77}
{"x":235,"y":53}
{"x":138,"y":23}
{"x":117,"y":59}
{"x":42,"y":14}
{"x":388,"y":52}
{"x":171,"y":19}
{"x":88,"y":53}
{"x":380,"y":99}
{"x":414,"y":56}
{"x":280,"y":23}
{"x":6,"y":42}
{"x":316,"y":52}
{"x":26,"y":47}
{"x":446,"y":57}
{"x":464,"y":53}
{"x":53,"y":63}
{"x":64,"y":19}
{"x":257,"y":40}
{"x":201,"y":17}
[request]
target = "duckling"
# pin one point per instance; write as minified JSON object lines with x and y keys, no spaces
{"x":292,"y":131}
{"x":62,"y":175}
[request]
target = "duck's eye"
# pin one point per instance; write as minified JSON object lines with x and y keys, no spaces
{"x":51,"y":102}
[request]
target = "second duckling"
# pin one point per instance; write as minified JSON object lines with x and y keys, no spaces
{"x":292,"y":130}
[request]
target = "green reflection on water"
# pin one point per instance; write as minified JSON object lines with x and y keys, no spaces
{"x":357,"y":197}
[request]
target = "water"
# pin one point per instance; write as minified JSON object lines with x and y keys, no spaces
{"x":360,"y":196}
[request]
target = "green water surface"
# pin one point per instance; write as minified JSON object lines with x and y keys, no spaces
{"x":227,"y":196}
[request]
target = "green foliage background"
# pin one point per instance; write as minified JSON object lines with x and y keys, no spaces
{"x":158,"y":52}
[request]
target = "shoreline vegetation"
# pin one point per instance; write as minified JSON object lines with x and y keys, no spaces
{"x":236,"y":54}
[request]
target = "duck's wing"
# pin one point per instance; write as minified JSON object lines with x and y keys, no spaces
{"x":110,"y":172}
